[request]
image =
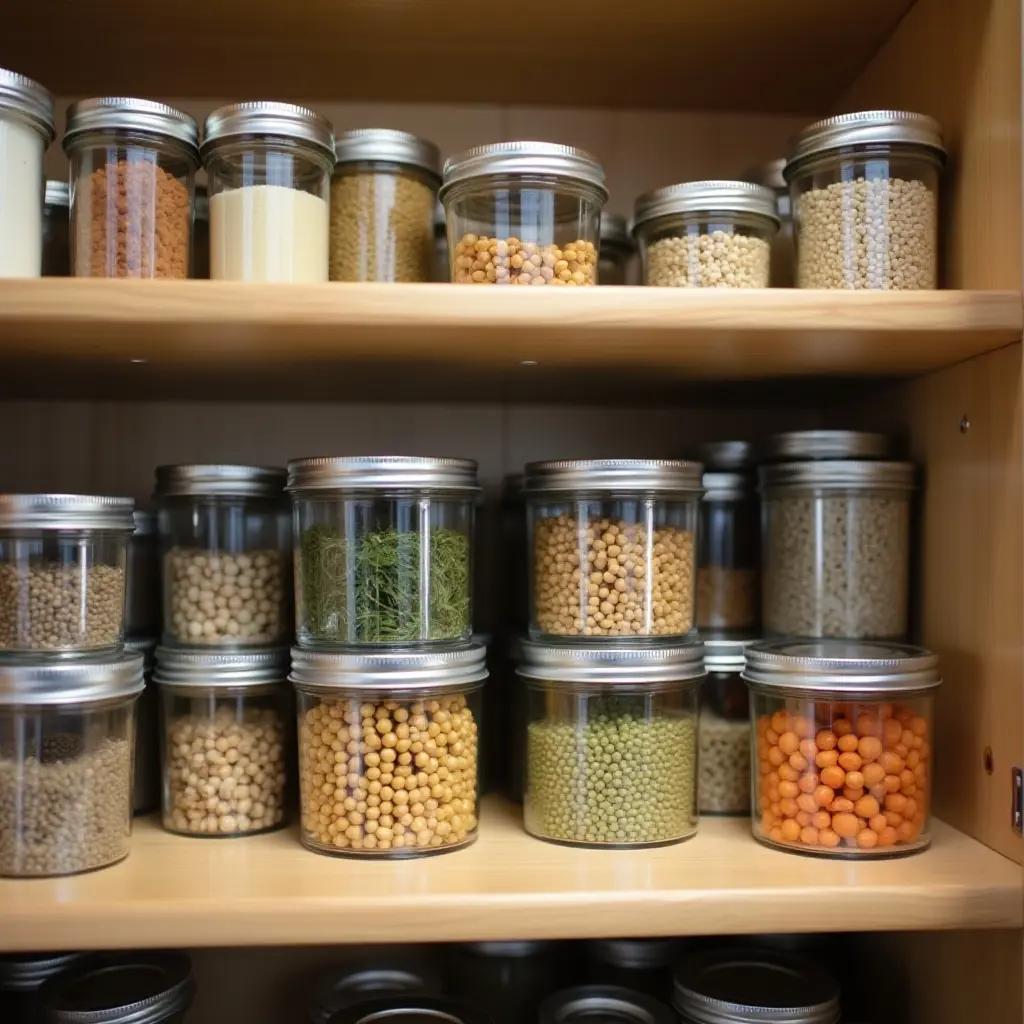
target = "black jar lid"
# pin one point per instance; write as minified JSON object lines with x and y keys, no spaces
{"x":25,"y":972}
{"x":603,"y":1004}
{"x":370,"y":979}
{"x":410,"y":1009}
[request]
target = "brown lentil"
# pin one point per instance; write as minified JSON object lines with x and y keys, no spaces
{"x":483,"y":260}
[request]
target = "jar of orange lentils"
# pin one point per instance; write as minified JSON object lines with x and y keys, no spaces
{"x":842,"y":746}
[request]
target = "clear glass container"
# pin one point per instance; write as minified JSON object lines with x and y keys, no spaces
{"x":523,"y":213}
{"x":408,"y":721}
{"x":842,"y":746}
{"x":142,"y":581}
{"x":146,"y":789}
{"x":62,"y":572}
{"x":21,"y":976}
{"x":201,"y":236}
{"x":57,"y":230}
{"x":836,"y":548}
{"x":612,"y":547}
{"x":611,"y":743}
{"x":133,"y":166}
{"x":603,"y":1004}
{"x":643,"y":965}
{"x":783,"y":252}
{"x":383,"y":196}
{"x":617,"y":249}
{"x":268,"y":168}
{"x":391,"y":972}
{"x":706,"y":234}
{"x":226,"y":555}
{"x":865,"y":194}
{"x":383,"y":549}
{"x":506,"y":980}
{"x":724,"y":779}
{"x":225,"y":732}
{"x":66,"y":734}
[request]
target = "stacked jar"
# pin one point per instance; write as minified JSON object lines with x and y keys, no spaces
{"x":724,"y":781}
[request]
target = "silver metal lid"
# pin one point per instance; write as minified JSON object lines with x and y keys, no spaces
{"x":147,"y":648}
{"x":220,"y":480}
{"x":145,"y":522}
{"x":122,"y":113}
{"x":615,"y":231}
{"x":513,"y":950}
{"x":603,"y":1004}
{"x":388,"y":670}
{"x":619,"y":664}
{"x":340,"y":988}
{"x":726,"y":455}
{"x":386,"y":145}
{"x":202,"y":203}
{"x":57,"y":193}
{"x":27,"y":100}
{"x":770,"y":175}
{"x":825,"y":444}
{"x":268,"y":120}
{"x":739,"y":197}
{"x":726,"y":655}
{"x":655,"y":476}
{"x":178,"y":666}
{"x":25,"y":972}
{"x":896,"y":476}
{"x":754,"y":987}
{"x":410,"y":1008}
{"x":72,"y":681}
{"x":382,"y":472}
{"x":133,"y":988}
{"x":636,"y":954}
{"x":526,"y":159}
{"x":721,"y":486}
{"x":65,"y":512}
{"x":855,"y":667}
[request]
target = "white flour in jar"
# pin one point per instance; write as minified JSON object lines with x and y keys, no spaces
{"x":21,"y":200}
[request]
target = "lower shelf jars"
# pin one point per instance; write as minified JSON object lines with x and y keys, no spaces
{"x":842,"y":744}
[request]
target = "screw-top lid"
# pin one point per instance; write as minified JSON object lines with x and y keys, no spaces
{"x":354,"y":983}
{"x":512,"y":950}
{"x":603,"y":1004}
{"x":818,"y":445}
{"x":383,"y":472}
{"x":72,"y":681}
{"x":657,"y":662}
{"x":265,"y":119}
{"x":133,"y":988}
{"x":57,"y":193}
{"x":738,"y":197}
{"x":897,"y":476}
{"x":410,"y":1008}
{"x":769,"y":175}
{"x":726,"y":654}
{"x":615,"y":231}
{"x":180,"y":666}
{"x":636,"y":954}
{"x":220,"y":481}
{"x":655,"y":476}
{"x":25,"y":972}
{"x":453,"y":667}
{"x":27,"y":100}
{"x":386,"y":145}
{"x":65,"y":512}
{"x":721,"y":486}
{"x":754,"y":987}
{"x":726,"y":455}
{"x":125,"y":114}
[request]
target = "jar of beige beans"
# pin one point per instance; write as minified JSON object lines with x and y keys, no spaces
{"x":225,"y":539}
{"x":865,"y":193}
{"x":612,"y":547}
{"x":706,"y":234}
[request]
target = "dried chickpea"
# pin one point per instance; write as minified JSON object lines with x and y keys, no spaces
{"x":479,"y":259}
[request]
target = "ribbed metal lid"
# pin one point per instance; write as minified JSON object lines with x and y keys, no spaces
{"x":769,"y":175}
{"x":180,"y":666}
{"x":656,"y":476}
{"x":147,"y":648}
{"x":636,"y":954}
{"x":65,"y":512}
{"x":722,"y":486}
{"x":27,"y":100}
{"x":123,"y":113}
{"x":740,"y":197}
{"x":145,"y":522}
{"x":615,"y":231}
{"x":726,"y":455}
{"x":825,"y":444}
{"x":340,"y":988}
{"x":131,"y":988}
{"x":267,"y":120}
{"x":72,"y":681}
{"x":388,"y":670}
{"x":603,"y":1004}
{"x":386,"y":145}
{"x":754,"y":987}
{"x":856,"y":667}
{"x":411,"y":1008}
{"x":897,"y":476}
{"x":25,"y":972}
{"x":220,"y":480}
{"x":57,"y":193}
{"x":382,"y":472}
{"x":726,"y":655}
{"x":657,"y":662}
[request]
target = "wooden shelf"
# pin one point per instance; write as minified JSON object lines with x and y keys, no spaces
{"x":268,"y":890}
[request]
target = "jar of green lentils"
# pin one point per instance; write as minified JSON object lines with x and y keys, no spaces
{"x":611,"y":743}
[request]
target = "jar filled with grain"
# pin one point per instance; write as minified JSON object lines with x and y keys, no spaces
{"x":842,"y":743}
{"x":612,"y":547}
{"x":57,"y":230}
{"x":62,"y":573}
{"x":225,"y":720}
{"x":224,"y":537}
{"x":146,"y":790}
{"x":523,"y":213}
{"x":66,"y":735}
{"x":865,"y":194}
{"x":406,"y":725}
{"x":783,"y":252}
{"x":383,"y":196}
{"x":706,"y":234}
{"x":133,"y":166}
{"x":617,"y":249}
{"x":21,"y":977}
{"x":611,"y":743}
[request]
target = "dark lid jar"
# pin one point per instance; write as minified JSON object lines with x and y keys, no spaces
{"x":644,"y":965}
{"x":391,"y":975}
{"x":21,"y":977}
{"x":507,"y":980}
{"x":606,"y":1004}
{"x":410,"y":1009}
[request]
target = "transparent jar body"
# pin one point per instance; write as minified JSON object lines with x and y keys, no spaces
{"x":724,"y":781}
{"x":728,"y":564}
{"x":142,"y":582}
{"x":611,"y":764}
{"x":56,"y":240}
{"x":522,"y":230}
{"x":611,"y":566}
{"x":382,"y":222}
{"x":65,"y":786}
{"x":62,"y":591}
{"x":238,"y":786}
{"x":867,"y":218}
{"x":401,"y":792}
{"x":846,"y":778}
{"x":146,"y":787}
{"x":382,"y":568}
{"x":614,"y":263}
{"x":226,"y":570}
{"x":713,"y":249}
{"x":21,"y":198}
{"x":269,"y":211}
{"x":131,"y":205}
{"x":836,"y":562}
{"x":783,"y":255}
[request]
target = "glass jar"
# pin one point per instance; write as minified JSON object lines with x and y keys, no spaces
{"x":706,"y":234}
{"x":611,"y":743}
{"x":506,"y":980}
{"x":783,"y":253}
{"x":632,"y":524}
{"x":146,"y":790}
{"x":724,"y":781}
{"x":56,"y":229}
{"x":824,"y":446}
{"x":383,"y":196}
{"x":225,"y":542}
{"x":66,"y":735}
{"x":142,"y":581}
{"x":865,"y":193}
{"x":411,"y":1009}
{"x":21,"y":976}
{"x":268,"y":168}
{"x":836,"y":548}
{"x":643,"y":965}
{"x":390,"y":973}
{"x":384,"y":704}
{"x":26,"y":131}
{"x":603,"y":1004}
{"x":617,"y":249}
{"x":133,"y":167}
{"x":201,"y":236}
{"x":383,"y":549}
{"x":842,"y":742}
{"x":441,"y":274}
{"x":726,"y":456}
{"x":523,"y":213}
{"x":62,"y":572}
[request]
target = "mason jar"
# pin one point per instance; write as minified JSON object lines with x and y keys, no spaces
{"x":57,"y":229}
{"x":724,"y":780}
{"x":706,"y":234}
{"x":21,"y":977}
{"x":607,"y":1004}
{"x":268,"y":168}
{"x":783,"y":255}
{"x":611,"y":743}
{"x":226,"y":561}
{"x":142,"y":580}
{"x":133,"y":167}
{"x":388,"y":973}
{"x":146,"y":789}
{"x":612,"y":545}
{"x":842,"y":741}
{"x":385,"y":704}
{"x":383,"y":549}
{"x":523,"y":213}
{"x":67,"y":729}
{"x":824,"y":446}
{"x":865,"y":193}
{"x":617,"y":249}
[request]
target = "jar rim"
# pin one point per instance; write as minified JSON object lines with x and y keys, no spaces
{"x":387,"y":145}
{"x":728,"y":456}
{"x":734,"y":197}
{"x":57,"y":193}
{"x":615,"y":663}
{"x":657,"y":476}
{"x":29,"y":101}
{"x":125,"y":113}
{"x":726,"y":655}
{"x":412,"y":1006}
{"x":841,"y":474}
{"x":720,"y":485}
{"x":219,"y":480}
{"x":795,"y":445}
{"x":604,"y":1002}
{"x":382,"y":472}
{"x":71,"y":680}
{"x":268,"y":120}
{"x":321,"y":670}
{"x":66,"y":512}
{"x":220,"y":669}
{"x":25,"y":972}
